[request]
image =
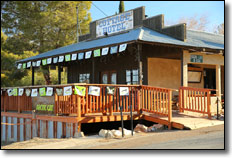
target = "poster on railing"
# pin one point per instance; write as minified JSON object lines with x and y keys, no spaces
{"x":42,"y":92}
{"x":24,"y":65}
{"x":15,"y":92}
{"x":21,"y":90}
{"x":59,"y":91}
{"x":34,"y":92}
{"x":28,"y":92}
{"x":67,"y":90}
{"x":122,"y":47}
{"x":9,"y":92}
{"x":105,"y":51}
{"x":80,"y":90}
{"x":93,"y":90}
{"x":74,"y":57}
{"x":110,"y":90}
{"x":123,"y":91}
{"x":49,"y":91}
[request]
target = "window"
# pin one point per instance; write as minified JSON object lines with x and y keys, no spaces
{"x":132,"y":76}
{"x":84,"y":78}
{"x":194,"y":76}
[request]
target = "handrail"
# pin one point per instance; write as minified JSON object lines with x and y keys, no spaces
{"x":195,"y":100}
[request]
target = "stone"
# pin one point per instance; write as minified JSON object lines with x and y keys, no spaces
{"x":117,"y":133}
{"x":126,"y":131}
{"x":155,"y":128}
{"x":109,"y":135}
{"x":79,"y":135}
{"x":140,"y":128}
{"x":102,"y":133}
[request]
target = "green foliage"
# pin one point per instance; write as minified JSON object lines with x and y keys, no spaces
{"x":45,"y":24}
{"x":121,"y":7}
{"x":37,"y":26}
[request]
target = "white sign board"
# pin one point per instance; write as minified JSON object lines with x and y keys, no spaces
{"x":21,"y":91}
{"x":114,"y":24}
{"x":34,"y":92}
{"x":49,"y":91}
{"x":67,"y":90}
{"x":94,"y":90}
{"x":123,"y":91}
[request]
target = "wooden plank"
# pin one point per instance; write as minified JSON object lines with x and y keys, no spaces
{"x":169,"y":109}
{"x":208,"y":105}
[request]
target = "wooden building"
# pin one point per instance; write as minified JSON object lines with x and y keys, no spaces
{"x":126,"y":50}
{"x":156,"y":55}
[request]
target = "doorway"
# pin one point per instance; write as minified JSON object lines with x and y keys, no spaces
{"x":109,"y":77}
{"x":210,"y":79}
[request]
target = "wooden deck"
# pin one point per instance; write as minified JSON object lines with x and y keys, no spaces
{"x":186,"y":120}
{"x":22,"y":120}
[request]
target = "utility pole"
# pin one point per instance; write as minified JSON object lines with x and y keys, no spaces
{"x":77,"y":25}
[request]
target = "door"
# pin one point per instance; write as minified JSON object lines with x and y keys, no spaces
{"x":109,"y":77}
{"x":210,"y":79}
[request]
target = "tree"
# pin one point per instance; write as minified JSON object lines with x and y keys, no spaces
{"x":195,"y":22}
{"x":121,"y":7}
{"x":10,"y":75}
{"x":44,"y":25}
{"x":220,"y":29}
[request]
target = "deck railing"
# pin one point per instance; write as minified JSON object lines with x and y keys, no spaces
{"x":157,"y":100}
{"x":15,"y":103}
{"x":195,"y":100}
{"x":141,"y":98}
{"x":105,"y":103}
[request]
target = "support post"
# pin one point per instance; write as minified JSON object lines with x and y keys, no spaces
{"x":122,"y":121}
{"x":132,"y":129}
{"x":59,"y":74}
{"x":93,"y":69}
{"x":218,"y":85}
{"x":170,"y":109}
{"x":139,"y":51}
{"x":33,"y":76}
{"x":184,"y":70}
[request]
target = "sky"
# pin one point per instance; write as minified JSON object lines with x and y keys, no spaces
{"x":172,"y":10}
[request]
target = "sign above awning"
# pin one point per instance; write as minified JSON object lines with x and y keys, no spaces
{"x":115,"y":24}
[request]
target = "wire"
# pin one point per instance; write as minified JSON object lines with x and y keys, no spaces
{"x":99,"y":9}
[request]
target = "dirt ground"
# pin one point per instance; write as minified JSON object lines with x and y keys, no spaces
{"x":138,"y":141}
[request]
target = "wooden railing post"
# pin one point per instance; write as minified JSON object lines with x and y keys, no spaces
{"x":111,"y":105}
{"x":180,"y":100}
{"x":169,"y":109}
{"x":139,"y":101}
{"x":208,"y":104}
{"x":19,"y":105}
{"x":79,"y":108}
